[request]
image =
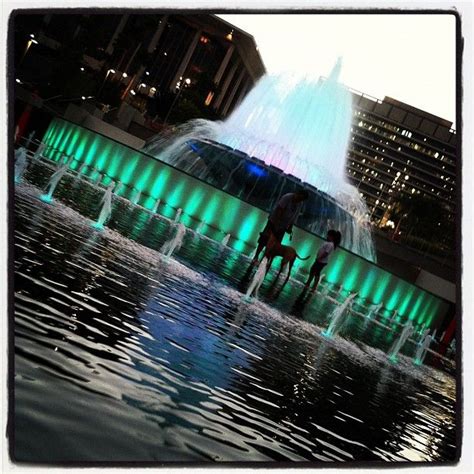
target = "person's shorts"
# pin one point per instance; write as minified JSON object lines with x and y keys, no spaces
{"x":317,"y":267}
{"x":265,"y":234}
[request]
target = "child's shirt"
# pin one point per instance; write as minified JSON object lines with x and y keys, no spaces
{"x":323,"y":253}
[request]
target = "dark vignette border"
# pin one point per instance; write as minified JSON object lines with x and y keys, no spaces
{"x":10,"y":428}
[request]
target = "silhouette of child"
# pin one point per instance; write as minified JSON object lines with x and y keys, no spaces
{"x":333,"y":241}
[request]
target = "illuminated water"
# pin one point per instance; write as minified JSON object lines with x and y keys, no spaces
{"x":398,"y":344}
{"x":53,"y":182}
{"x":257,"y":279}
{"x":226,"y":239}
{"x":175,"y":242}
{"x":300,"y":126}
{"x":338,"y":317}
{"x":21,"y":162}
{"x":422,"y":349}
{"x":120,"y":355}
{"x":106,"y":207}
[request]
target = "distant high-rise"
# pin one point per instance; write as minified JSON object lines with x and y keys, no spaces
{"x":395,"y":150}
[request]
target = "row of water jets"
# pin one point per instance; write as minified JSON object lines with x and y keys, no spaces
{"x":338,"y":317}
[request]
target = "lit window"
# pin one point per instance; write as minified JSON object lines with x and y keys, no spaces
{"x":209,"y":100}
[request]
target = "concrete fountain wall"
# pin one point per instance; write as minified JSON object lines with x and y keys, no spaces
{"x":226,"y":214}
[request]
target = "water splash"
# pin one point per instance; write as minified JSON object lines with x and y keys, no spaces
{"x":394,"y":316}
{"x":175,"y":243}
{"x":300,"y":126}
{"x":178,"y":215}
{"x":156,"y":206}
{"x":399,"y":343}
{"x":136,"y":197}
{"x":225,"y":240}
{"x":53,"y":182}
{"x":200,"y":227}
{"x":373,"y":310}
{"x":21,"y":162}
{"x":98,"y":178}
{"x":39,"y":151}
{"x":257,"y":280}
{"x":422,"y":349}
{"x":106,"y":207}
{"x":338,"y":317}
{"x":80,"y":171}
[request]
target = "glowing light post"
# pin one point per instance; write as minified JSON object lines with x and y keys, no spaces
{"x":28,"y":45}
{"x":187,"y":81}
{"x":110,"y":71}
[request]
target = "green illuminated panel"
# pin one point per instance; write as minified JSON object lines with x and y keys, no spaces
{"x":226,"y":214}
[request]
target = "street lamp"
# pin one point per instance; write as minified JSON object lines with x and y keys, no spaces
{"x":187,"y":82}
{"x":110,"y":71}
{"x":28,"y":45}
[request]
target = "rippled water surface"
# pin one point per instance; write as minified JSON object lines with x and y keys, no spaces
{"x":123,"y":355}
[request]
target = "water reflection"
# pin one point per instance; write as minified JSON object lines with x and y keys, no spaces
{"x":139,"y":359}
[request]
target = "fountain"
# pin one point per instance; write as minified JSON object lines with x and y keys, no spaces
{"x":175,"y":243}
{"x":257,"y":280}
{"x":338,"y":317}
{"x":200,"y":227}
{"x":98,"y":178}
{"x":286,"y":134}
{"x":80,"y":171}
{"x":394,"y":316}
{"x":373,"y":310}
{"x":30,"y":139}
{"x":422,"y":349}
{"x":217,"y":204}
{"x":178,"y":215}
{"x":452,"y":347}
{"x":39,"y":151}
{"x":53,"y":182}
{"x":156,"y":206}
{"x":339,"y":292}
{"x":225,"y":240}
{"x":398,"y":344}
{"x":21,"y":162}
{"x":136,"y":197}
{"x":106,"y":207}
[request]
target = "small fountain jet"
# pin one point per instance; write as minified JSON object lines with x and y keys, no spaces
{"x":399,"y":343}
{"x":175,"y":243}
{"x":257,"y":280}
{"x":106,"y":207}
{"x":156,"y":206}
{"x":225,"y":240}
{"x":53,"y":182}
{"x":178,"y":215}
{"x":136,"y":197}
{"x":21,"y":162}
{"x":422,"y":349}
{"x":339,"y":317}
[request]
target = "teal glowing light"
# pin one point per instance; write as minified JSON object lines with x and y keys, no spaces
{"x":46,"y":198}
{"x":350,"y":280}
{"x":335,"y":269}
{"x":98,"y":226}
{"x":226,"y":214}
{"x":247,"y":227}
